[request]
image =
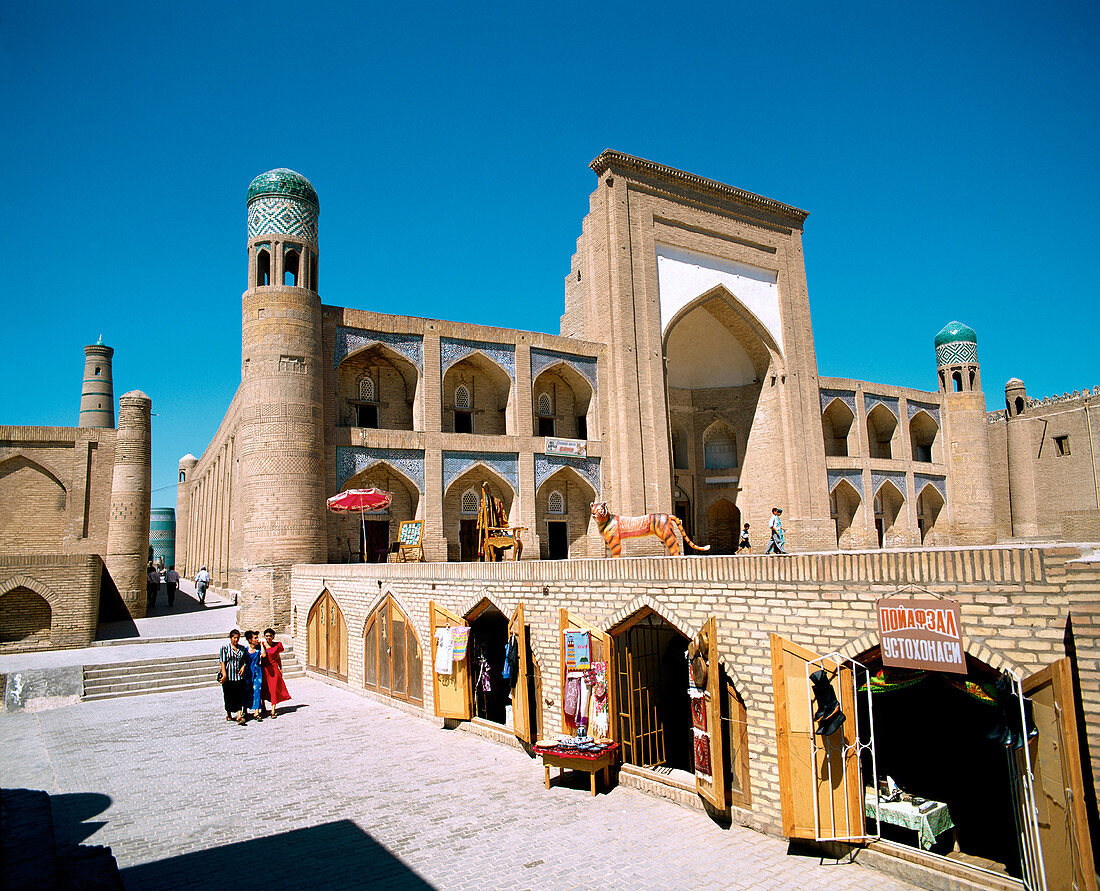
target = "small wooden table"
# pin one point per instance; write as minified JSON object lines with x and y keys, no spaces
{"x":591,"y":762}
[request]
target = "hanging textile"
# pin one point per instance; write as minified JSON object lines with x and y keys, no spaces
{"x":484,"y":682}
{"x":460,"y":639}
{"x":444,"y":651}
{"x":891,"y":680}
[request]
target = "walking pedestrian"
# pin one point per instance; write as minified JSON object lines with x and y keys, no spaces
{"x":234,"y":666}
{"x":152,"y":584}
{"x":202,"y":582}
{"x":743,"y":544}
{"x":778,"y":543}
{"x":275,"y":690}
{"x":254,"y":676}
{"x":172,"y":583}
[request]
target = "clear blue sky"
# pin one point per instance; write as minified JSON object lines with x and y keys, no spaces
{"x":947,"y":154}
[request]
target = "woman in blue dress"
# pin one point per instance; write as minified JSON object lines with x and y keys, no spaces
{"x":255,"y":676}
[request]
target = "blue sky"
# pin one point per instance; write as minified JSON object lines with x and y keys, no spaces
{"x":946,"y":153}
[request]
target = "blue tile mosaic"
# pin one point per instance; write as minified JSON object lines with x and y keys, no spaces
{"x":351,"y":460}
{"x":845,"y":396}
{"x":452,"y":350}
{"x":504,"y":464}
{"x":584,"y":365}
{"x":282,"y":181}
{"x":958,"y":353}
{"x":547,"y":465}
{"x":933,"y":410}
{"x":898,"y":479}
{"x":854,"y":478}
{"x":870,"y":401}
{"x":920,"y":480}
{"x":348,"y":340}
{"x":274,"y":215}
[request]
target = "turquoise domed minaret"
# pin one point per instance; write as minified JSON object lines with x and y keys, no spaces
{"x":956,"y":344}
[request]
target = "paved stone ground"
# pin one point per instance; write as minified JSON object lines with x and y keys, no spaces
{"x":342,"y":791}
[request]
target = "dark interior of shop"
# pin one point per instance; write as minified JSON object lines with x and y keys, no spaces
{"x":655,"y":721}
{"x":488,"y":637}
{"x":933,"y":739}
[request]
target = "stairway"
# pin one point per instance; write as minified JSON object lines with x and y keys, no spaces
{"x":165,"y":675}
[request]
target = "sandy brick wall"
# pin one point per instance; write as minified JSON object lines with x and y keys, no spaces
{"x":69,"y":584}
{"x":1022,"y":608}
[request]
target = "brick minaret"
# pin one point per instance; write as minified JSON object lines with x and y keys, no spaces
{"x":281,"y":435}
{"x":1023,"y":434}
{"x":970,"y":482}
{"x":128,"y":532}
{"x":97,"y":395}
{"x":183,"y":514}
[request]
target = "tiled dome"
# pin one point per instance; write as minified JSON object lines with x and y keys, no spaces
{"x":956,"y":332}
{"x":282,"y":181}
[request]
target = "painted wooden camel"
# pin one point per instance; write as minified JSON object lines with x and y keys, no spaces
{"x":614,"y":529}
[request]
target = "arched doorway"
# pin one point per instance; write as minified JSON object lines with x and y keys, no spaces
{"x":477,"y":397}
{"x":393,"y":663}
{"x":25,"y":618}
{"x":723,"y":525}
{"x":368,"y":539}
{"x":486,"y":652}
{"x":929,"y":505}
{"x":460,"y":506}
{"x":326,"y":638}
{"x":562,"y":511}
{"x":889,"y":509}
{"x":844,"y":504}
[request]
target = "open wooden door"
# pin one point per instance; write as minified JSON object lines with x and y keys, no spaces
{"x":712,"y":789}
{"x":820,"y":788}
{"x":452,"y":693}
{"x":1059,"y":782}
{"x":521,"y":692}
{"x":603,"y":650}
{"x":337,"y":640}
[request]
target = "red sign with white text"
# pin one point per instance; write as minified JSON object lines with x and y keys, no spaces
{"x":925,"y":634}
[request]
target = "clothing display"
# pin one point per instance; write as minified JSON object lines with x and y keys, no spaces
{"x":571,"y":703}
{"x":460,"y":640}
{"x":444,"y":651}
{"x":511,"y":659}
{"x":702,"y":753}
{"x":484,"y":681}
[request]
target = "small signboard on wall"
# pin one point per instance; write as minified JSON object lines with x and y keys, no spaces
{"x":921,"y":633}
{"x":570,"y":448}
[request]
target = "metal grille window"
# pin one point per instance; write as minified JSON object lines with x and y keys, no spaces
{"x":545,"y":408}
{"x":366,"y":390}
{"x":468,"y":505}
{"x":462,"y":398}
{"x":555,"y":504}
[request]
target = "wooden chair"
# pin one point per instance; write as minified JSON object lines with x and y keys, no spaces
{"x":503,"y":537}
{"x":410,"y":548}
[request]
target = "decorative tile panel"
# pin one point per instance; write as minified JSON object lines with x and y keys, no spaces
{"x":960,"y":352}
{"x":584,"y":365}
{"x":504,"y":464}
{"x":898,"y":479}
{"x":870,"y":401}
{"x":920,"y":480}
{"x":845,"y":396}
{"x":348,"y":340}
{"x":933,"y":410}
{"x":351,"y":460}
{"x":279,"y":215}
{"x":452,"y":350}
{"x":854,"y":478}
{"x":547,"y":465}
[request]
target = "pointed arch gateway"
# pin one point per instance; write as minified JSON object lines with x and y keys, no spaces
{"x":391,"y":401}
{"x":460,"y":528}
{"x":327,"y":637}
{"x":374,"y":531}
{"x":563,"y":404}
{"x":563,"y":526}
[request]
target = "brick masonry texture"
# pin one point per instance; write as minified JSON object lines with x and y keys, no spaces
{"x":1022,"y":608}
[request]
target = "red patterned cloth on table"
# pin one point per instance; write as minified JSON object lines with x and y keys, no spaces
{"x":576,"y":753}
{"x":275,"y":690}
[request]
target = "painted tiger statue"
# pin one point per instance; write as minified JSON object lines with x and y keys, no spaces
{"x":614,"y":529}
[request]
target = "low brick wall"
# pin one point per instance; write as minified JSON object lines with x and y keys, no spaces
{"x":1022,"y":608}
{"x":69,"y":584}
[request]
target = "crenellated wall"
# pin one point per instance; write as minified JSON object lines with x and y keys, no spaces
{"x":1022,"y":608}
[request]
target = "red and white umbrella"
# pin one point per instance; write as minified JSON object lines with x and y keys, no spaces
{"x":360,"y":501}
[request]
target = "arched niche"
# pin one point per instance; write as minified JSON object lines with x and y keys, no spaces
{"x":368,"y":539}
{"x":564,"y":534}
{"x":723,"y":527}
{"x":924,"y":437}
{"x":844,"y":503}
{"x":681,"y":447}
{"x":567,"y":395}
{"x":25,"y":619}
{"x":882,"y":431}
{"x":838,"y":424}
{"x":889,"y":506}
{"x":720,"y":447}
{"x":489,"y":388}
{"x":31,"y":490}
{"x":460,"y":528}
{"x":930,"y":505}
{"x":393,"y":393}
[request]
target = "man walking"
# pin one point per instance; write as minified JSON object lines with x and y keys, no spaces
{"x":202,"y":582}
{"x":172,"y":581}
{"x":776,"y":545}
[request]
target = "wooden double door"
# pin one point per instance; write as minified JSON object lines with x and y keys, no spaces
{"x":327,"y":638}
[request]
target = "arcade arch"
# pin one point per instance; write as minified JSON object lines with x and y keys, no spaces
{"x":489,"y":390}
{"x":562,"y":403}
{"x":882,"y":429}
{"x":889,"y":507}
{"x":844,"y":502}
{"x":563,"y":533}
{"x":40,"y":494}
{"x":459,"y":527}
{"x":374,"y":531}
{"x":924,"y":436}
{"x":930,"y":505}
{"x":723,"y":527}
{"x":25,"y":618}
{"x":378,"y":388}
{"x":838,"y":423}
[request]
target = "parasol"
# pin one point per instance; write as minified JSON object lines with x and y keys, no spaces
{"x":360,"y":501}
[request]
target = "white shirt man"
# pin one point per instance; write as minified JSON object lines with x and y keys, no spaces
{"x":202,"y":582}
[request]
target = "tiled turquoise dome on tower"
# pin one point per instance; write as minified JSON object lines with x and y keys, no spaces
{"x":283,"y":202}
{"x":956,"y":344}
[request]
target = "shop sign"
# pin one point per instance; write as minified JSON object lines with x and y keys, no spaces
{"x":924,"y":634}
{"x":570,"y":448}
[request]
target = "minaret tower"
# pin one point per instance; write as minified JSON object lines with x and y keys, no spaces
{"x":128,"y":531}
{"x":970,"y":480}
{"x":97,"y":396}
{"x":281,"y":434}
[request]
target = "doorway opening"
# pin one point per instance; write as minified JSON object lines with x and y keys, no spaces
{"x":488,"y":638}
{"x":467,"y":540}
{"x":557,"y":534}
{"x":950,"y":766}
{"x":654,"y":709}
{"x":374,"y":540}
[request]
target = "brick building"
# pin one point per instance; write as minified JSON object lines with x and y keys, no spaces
{"x":74,"y":517}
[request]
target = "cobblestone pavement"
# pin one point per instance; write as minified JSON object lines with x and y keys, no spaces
{"x":342,"y":791}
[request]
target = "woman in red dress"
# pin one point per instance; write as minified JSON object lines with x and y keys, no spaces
{"x":274,"y":689}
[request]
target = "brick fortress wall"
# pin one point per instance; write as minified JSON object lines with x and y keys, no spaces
{"x":1022,"y":608}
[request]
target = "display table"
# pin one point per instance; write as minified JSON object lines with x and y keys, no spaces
{"x":571,"y":759}
{"x":928,"y":824}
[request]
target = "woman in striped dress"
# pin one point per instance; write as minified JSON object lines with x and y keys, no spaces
{"x":233,"y":659}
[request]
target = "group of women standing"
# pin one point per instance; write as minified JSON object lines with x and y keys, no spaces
{"x":251,"y":675}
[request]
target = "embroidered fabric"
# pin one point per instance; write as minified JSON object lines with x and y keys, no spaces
{"x":444,"y":651}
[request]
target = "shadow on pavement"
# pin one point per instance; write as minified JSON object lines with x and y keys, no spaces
{"x":332,"y":855}
{"x":71,"y":812}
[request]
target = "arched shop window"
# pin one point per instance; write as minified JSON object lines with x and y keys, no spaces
{"x":392,"y":660}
